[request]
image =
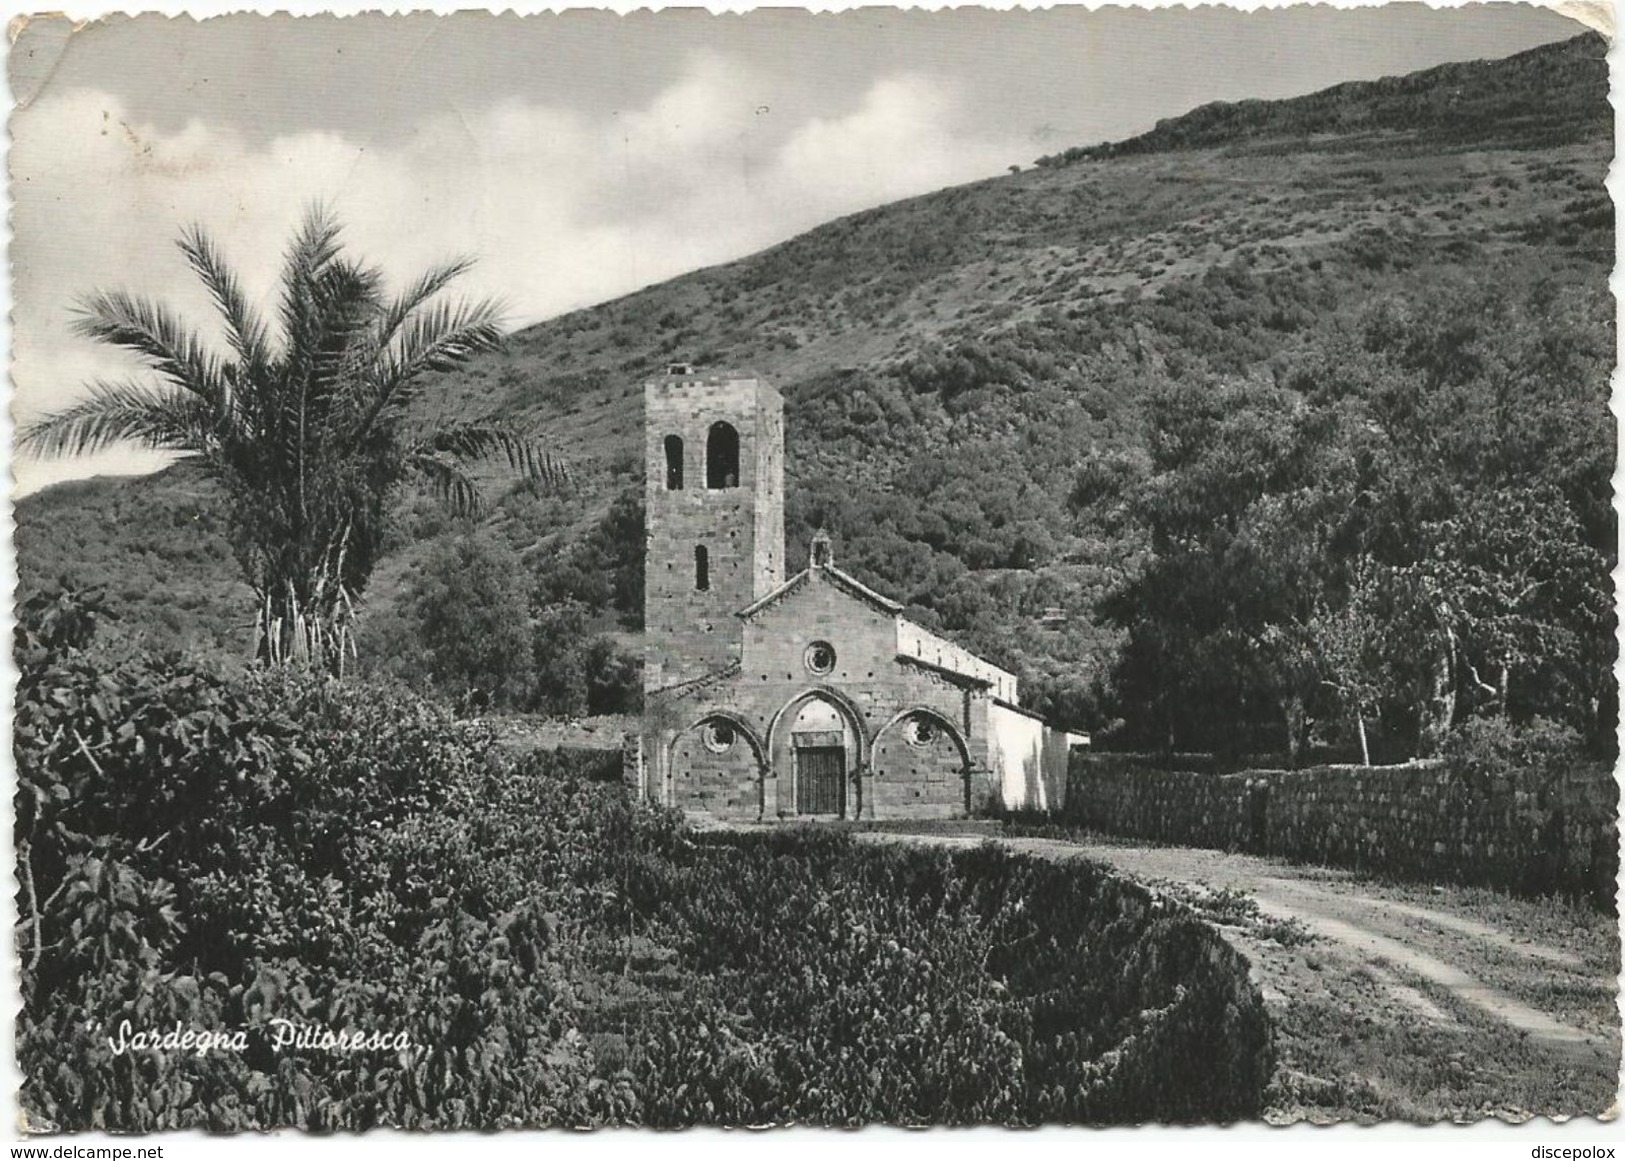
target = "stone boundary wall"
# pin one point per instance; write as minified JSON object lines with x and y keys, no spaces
{"x":1557,"y":835}
{"x":1121,"y":797}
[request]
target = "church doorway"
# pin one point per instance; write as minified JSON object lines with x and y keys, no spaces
{"x":820,"y":780}
{"x":820,"y":741}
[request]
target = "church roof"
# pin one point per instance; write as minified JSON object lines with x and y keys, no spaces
{"x":914,"y":642}
{"x":849,"y":584}
{"x":955,"y":676}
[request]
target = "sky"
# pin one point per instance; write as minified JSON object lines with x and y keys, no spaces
{"x":578,"y":157}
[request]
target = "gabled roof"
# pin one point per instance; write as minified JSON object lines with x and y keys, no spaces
{"x":850,"y":585}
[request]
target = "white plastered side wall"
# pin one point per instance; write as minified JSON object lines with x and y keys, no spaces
{"x":1028,"y":759}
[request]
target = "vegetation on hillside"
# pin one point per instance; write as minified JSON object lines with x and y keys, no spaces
{"x":1408,"y":524}
{"x":1298,"y":414}
{"x":476,"y":628}
{"x":1005,"y":398}
{"x":1480,"y":103}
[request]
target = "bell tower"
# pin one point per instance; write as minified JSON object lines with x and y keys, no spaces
{"x":714,"y":516}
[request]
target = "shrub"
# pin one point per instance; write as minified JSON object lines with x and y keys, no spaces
{"x":1485,"y":748}
{"x":204,"y":852}
{"x":832,"y":982}
{"x":462,"y":629}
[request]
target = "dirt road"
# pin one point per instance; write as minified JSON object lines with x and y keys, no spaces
{"x":1394,"y":1001}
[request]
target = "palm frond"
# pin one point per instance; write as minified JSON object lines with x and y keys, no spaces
{"x":413,"y":298}
{"x":443,"y":334}
{"x":244,"y":329}
{"x":329,"y":359}
{"x":476,"y":441}
{"x":448,"y":481}
{"x":314,"y":246}
{"x":339,"y":348}
{"x":154,"y":333}
{"x":164,"y":419}
{"x":435,"y":338}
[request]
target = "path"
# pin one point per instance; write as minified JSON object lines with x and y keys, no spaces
{"x":1419,"y":1001}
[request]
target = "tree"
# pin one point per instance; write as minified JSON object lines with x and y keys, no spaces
{"x":614,"y":678}
{"x":309,"y":432}
{"x":604,"y":569}
{"x":1348,"y":641}
{"x":559,"y":633}
{"x":1245,"y":492}
{"x":468,"y":616}
{"x":1526,"y":597}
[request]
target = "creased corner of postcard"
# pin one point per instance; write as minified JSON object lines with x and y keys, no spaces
{"x":38,"y":42}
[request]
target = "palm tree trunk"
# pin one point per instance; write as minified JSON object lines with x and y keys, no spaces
{"x":301,"y":632}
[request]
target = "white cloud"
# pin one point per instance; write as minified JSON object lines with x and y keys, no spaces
{"x":560,"y":209}
{"x":899,"y":143}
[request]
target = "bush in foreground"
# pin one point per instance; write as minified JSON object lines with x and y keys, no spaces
{"x":836,"y":982}
{"x":218,"y":854}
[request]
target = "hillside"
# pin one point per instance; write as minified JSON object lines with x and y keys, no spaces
{"x":951,"y":362}
{"x":1479,"y":103}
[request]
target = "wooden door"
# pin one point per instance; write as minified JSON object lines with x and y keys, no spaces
{"x":820,"y":780}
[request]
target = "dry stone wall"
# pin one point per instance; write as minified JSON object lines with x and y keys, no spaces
{"x":1552,"y":835}
{"x":1122,"y":797}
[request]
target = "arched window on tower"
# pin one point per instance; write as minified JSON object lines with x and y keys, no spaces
{"x":722,"y":456}
{"x":674,"y":463}
{"x":702,"y":569}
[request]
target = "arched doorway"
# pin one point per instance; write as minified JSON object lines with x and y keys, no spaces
{"x":817,"y":747}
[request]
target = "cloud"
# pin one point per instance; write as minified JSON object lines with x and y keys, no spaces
{"x":900,"y":142}
{"x":561,"y":209}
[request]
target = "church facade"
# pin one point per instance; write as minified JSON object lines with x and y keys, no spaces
{"x":769,"y":696}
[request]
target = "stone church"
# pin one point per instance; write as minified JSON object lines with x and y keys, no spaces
{"x":770,"y":696}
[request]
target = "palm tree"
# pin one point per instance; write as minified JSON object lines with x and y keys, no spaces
{"x":310,"y":432}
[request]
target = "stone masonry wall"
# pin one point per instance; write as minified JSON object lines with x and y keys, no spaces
{"x":690,"y":631}
{"x":872,"y":690}
{"x":1117,"y":795}
{"x":909,"y":780}
{"x":1418,"y":821}
{"x":723,"y":785}
{"x":871,"y":680}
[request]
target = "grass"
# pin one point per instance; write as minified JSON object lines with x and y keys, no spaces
{"x":1237,"y":910}
{"x":1351,"y":1049}
{"x":1581,"y":930}
{"x":1348,"y":1051}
